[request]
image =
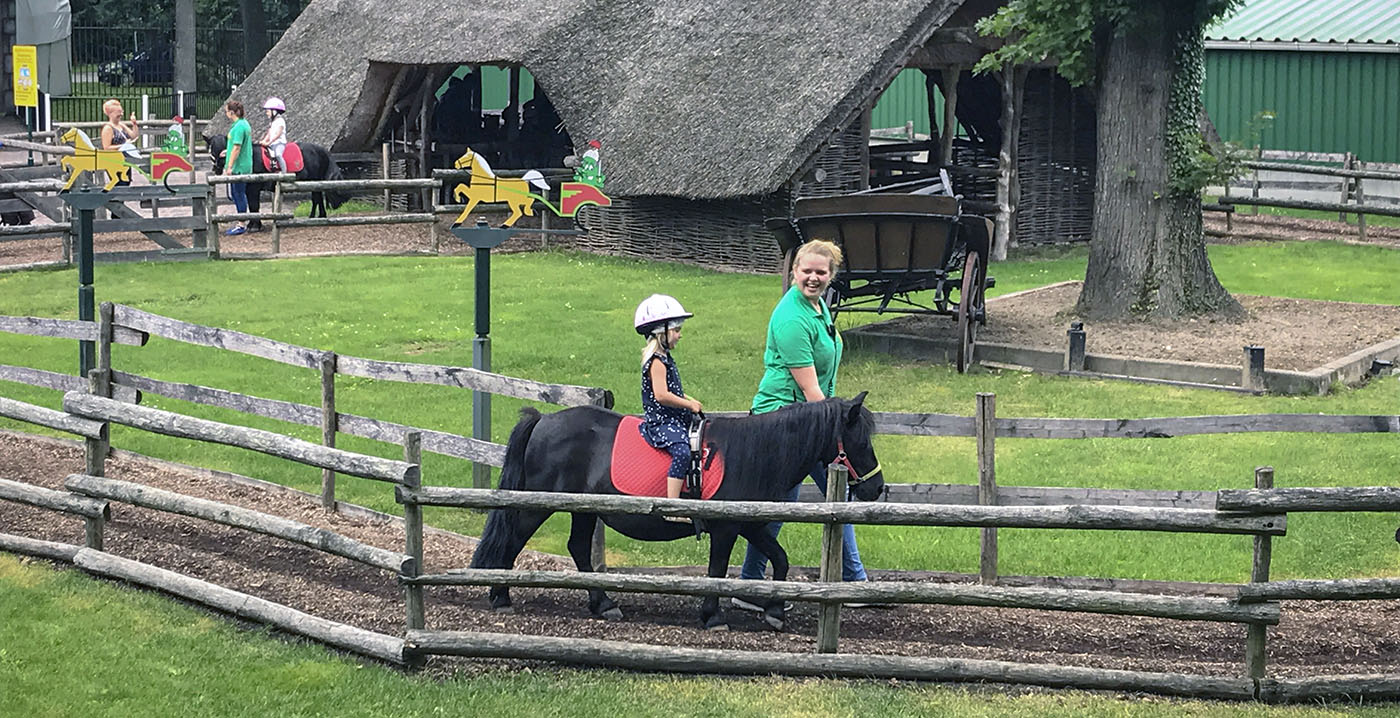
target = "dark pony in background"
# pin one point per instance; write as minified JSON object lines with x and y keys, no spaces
{"x":764,"y":457}
{"x":317,"y":165}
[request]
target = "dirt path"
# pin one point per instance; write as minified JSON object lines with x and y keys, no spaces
{"x":1313,"y":638}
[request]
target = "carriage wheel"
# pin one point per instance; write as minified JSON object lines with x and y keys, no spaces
{"x":969,"y":304}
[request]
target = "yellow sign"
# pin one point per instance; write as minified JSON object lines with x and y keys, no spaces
{"x":26,"y":62}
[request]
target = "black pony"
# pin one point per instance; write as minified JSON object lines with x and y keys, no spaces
{"x":317,"y":165}
{"x":764,"y":457}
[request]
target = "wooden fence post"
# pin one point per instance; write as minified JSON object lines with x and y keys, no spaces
{"x":384,"y":166}
{"x":1253,"y":369}
{"x":1348,"y":163}
{"x":1259,"y":573}
{"x":99,"y":384}
{"x":1360,"y":218}
{"x":413,"y":532}
{"x":829,"y":616}
{"x":328,"y":426}
{"x":276,"y":207}
{"x":987,"y":480}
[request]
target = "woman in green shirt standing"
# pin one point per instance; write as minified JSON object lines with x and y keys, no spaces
{"x":239,"y":160}
{"x":800,"y":359}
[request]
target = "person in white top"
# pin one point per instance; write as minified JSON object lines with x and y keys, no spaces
{"x":275,"y":139}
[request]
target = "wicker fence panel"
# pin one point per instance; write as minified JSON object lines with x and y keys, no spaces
{"x":720,"y":234}
{"x":1057,"y":149}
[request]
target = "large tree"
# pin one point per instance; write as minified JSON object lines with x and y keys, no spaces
{"x":1145,"y":61}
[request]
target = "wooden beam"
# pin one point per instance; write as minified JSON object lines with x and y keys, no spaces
{"x":267,"y":442}
{"x":1127,"y":518}
{"x":476,"y":380}
{"x":1336,"y":498}
{"x":217,"y":338}
{"x":237,"y":517}
{"x":46,"y":498}
{"x":43,"y":416}
{"x":1186,"y":608}
{"x":245,"y":606}
{"x":641,"y":657}
{"x":1342,"y":589}
{"x":51,"y":550}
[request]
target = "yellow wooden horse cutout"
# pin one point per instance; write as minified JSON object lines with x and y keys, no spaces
{"x":91,"y":159}
{"x":485,"y":186}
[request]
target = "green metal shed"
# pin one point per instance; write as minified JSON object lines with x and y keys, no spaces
{"x":1327,"y":70}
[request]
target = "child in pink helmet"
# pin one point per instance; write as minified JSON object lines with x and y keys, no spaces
{"x":668,"y":411}
{"x":275,"y":139}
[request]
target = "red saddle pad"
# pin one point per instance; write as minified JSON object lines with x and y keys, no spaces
{"x":291,"y":154}
{"x":640,"y":470}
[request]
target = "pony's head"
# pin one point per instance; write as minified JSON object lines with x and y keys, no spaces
{"x":856,"y":450}
{"x":466,"y":160}
{"x":216,"y":144}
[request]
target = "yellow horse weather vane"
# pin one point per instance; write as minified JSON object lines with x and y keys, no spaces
{"x":116,"y":163}
{"x":520,"y":194}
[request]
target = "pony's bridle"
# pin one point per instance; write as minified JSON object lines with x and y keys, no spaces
{"x":853,"y":477}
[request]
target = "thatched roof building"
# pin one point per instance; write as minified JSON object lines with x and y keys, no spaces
{"x":711,"y":115}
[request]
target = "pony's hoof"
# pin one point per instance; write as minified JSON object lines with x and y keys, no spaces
{"x":612,"y":614}
{"x":717,"y":627}
{"x":774,"y":622}
{"x":504,"y":610}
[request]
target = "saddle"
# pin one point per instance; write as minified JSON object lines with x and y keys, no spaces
{"x":640,"y":470}
{"x":291,"y":154}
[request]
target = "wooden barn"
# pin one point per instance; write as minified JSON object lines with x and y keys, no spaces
{"x":712,"y":116}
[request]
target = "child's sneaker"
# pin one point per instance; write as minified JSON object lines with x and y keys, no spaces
{"x":235,"y":230}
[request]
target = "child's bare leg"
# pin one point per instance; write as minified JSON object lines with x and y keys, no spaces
{"x":673,"y":491}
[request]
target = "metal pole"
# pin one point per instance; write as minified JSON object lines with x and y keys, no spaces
{"x":481,"y":360}
{"x":87,"y":350}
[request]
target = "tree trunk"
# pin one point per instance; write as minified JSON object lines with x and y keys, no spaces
{"x":254,"y":32}
{"x":1147,"y":257}
{"x":184,"y":48}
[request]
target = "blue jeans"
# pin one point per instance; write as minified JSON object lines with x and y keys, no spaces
{"x":238,"y":191}
{"x":755,"y":563}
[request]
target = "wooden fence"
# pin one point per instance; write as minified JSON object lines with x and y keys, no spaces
{"x":1344,"y":175}
{"x":1259,"y":512}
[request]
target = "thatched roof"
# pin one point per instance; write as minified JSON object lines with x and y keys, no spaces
{"x":691,"y":99}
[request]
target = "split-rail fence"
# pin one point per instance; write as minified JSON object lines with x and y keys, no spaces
{"x":110,"y":397}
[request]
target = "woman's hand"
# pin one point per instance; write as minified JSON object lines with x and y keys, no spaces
{"x":695,"y":406}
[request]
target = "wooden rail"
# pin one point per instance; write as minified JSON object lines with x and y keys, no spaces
{"x":242,"y":605}
{"x":237,"y":517}
{"x":267,"y":442}
{"x":42,"y":416}
{"x":1128,"y":518}
{"x":650,"y":658}
{"x":214,"y":337}
{"x":474,"y":379}
{"x":1343,"y":589}
{"x":61,"y":501}
{"x":1338,"y":498}
{"x":69,"y":329}
{"x":1189,"y":608}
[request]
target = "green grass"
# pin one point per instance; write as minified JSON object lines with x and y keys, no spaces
{"x":565,"y":317}
{"x":71,"y":645}
{"x":354,"y":206}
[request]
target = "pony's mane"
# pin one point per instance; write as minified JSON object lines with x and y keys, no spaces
{"x":485,"y":166}
{"x":780,"y":447}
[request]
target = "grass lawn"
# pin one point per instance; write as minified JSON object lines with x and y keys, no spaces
{"x":71,"y":645}
{"x":566,"y":317}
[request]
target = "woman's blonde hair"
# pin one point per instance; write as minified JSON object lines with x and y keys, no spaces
{"x":822,"y":248}
{"x":108,"y":105}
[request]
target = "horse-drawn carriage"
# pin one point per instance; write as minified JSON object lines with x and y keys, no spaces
{"x":896,"y":244}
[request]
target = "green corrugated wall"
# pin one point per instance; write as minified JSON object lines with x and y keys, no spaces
{"x":905,"y":99}
{"x":1321,"y":101}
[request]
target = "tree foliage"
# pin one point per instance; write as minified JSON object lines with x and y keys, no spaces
{"x":1072,"y":34}
{"x":161,"y":13}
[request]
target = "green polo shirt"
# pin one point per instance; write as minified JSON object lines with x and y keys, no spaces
{"x":241,"y":135}
{"x":798,"y":336}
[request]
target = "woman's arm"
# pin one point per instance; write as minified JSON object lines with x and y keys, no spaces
{"x":106,"y":137}
{"x":806,"y":378}
{"x":657,"y":372}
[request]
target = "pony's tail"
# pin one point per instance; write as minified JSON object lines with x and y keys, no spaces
{"x":499,"y":534}
{"x":334,"y":198}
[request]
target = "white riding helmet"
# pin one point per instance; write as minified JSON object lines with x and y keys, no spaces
{"x":658,"y":311}
{"x":274,"y":103}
